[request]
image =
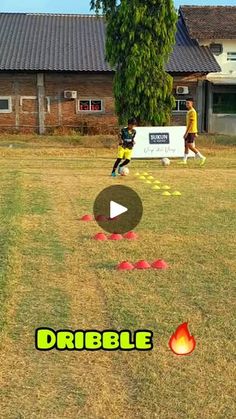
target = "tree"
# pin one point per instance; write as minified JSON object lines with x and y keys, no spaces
{"x":139,"y":40}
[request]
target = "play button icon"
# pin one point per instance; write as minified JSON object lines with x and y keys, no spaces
{"x":118,"y":209}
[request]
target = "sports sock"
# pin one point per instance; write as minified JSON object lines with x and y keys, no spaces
{"x":125,"y":163}
{"x":199,"y":155}
{"x":185,"y":157}
{"x":117,"y":162}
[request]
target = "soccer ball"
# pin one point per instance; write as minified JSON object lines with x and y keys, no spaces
{"x":124,"y":171}
{"x":165,"y":161}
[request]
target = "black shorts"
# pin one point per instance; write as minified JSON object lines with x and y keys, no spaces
{"x":190,"y":138}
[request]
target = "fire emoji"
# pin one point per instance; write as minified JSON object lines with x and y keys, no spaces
{"x":181,"y":342}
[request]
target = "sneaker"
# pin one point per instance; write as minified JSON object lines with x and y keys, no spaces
{"x":203,"y":161}
{"x":183,"y":162}
{"x":113,"y":174}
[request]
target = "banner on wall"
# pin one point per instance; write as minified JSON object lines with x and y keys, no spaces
{"x":159,"y":142}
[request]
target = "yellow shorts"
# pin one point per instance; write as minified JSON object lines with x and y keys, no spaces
{"x":124,"y":153}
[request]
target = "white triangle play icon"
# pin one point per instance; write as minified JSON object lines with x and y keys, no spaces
{"x":116,"y":209}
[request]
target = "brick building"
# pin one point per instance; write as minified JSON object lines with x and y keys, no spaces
{"x":53,"y":73}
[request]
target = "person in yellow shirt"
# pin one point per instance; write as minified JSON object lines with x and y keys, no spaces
{"x":191,"y":134}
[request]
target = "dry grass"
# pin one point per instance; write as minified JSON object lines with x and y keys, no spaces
{"x":57,"y":276}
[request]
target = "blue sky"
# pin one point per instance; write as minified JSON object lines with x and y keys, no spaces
{"x":80,"y":6}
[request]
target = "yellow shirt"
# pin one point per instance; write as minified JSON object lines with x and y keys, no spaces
{"x":192,"y":121}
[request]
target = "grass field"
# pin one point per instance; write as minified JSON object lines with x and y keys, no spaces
{"x":53,"y":274}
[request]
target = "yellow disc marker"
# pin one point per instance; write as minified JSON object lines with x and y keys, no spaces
{"x":150,"y":177}
{"x":176,"y":193}
{"x":166,"y":193}
{"x":165,"y":187}
{"x":156,"y":181}
{"x":142,"y":178}
{"x":144,"y":174}
{"x":156,"y":188}
{"x":137,"y":174}
{"x":148,"y":181}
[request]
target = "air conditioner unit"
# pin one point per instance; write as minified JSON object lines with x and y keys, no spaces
{"x":70,"y":94}
{"x":216,"y":49}
{"x":182,"y":90}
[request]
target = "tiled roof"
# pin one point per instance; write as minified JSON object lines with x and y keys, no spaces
{"x":192,"y":60}
{"x":210,"y":22}
{"x":52,"y":42}
{"x":188,"y":56}
{"x":47,"y":42}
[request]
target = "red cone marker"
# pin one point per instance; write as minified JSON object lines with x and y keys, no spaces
{"x":125,"y":266}
{"x":115,"y":236}
{"x":159,"y":264}
{"x":100,"y":236}
{"x":87,"y":217}
{"x":142,"y":264}
{"x":131,"y":235}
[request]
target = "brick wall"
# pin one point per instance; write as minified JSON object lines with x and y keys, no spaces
{"x":24,"y":113}
{"x":64,"y":112}
{"x":60,"y":112}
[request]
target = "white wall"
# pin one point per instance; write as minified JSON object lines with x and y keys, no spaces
{"x":228,"y":67}
{"x":222,"y":123}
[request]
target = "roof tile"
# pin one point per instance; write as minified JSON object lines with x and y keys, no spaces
{"x":210,"y":22}
{"x":45,"y":42}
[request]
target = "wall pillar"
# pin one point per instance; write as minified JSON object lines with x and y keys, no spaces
{"x":210,"y":106}
{"x":17,"y":103}
{"x":199,"y":94}
{"x":41,"y":102}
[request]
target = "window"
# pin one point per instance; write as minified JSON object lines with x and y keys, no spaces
{"x":180,"y":106}
{"x":224,"y":103}
{"x":231,"y":56}
{"x":5,"y":104}
{"x":96,"y":105}
{"x":90,"y":105}
{"x":29,"y":104}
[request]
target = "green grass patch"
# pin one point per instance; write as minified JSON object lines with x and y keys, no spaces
{"x":49,"y":307}
{"x":46,"y":243}
{"x":38,"y":202}
{"x":69,"y":279}
{"x":10,"y":210}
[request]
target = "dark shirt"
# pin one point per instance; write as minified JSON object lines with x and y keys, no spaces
{"x":127,"y":137}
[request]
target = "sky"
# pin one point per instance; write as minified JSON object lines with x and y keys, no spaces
{"x":82,"y":6}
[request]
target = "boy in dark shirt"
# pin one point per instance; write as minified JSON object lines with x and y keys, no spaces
{"x":126,"y":144}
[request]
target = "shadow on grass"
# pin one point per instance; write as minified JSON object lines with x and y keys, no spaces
{"x":111,"y":266}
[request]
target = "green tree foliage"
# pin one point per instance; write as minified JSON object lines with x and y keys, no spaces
{"x":106,"y":6}
{"x":140,"y":38}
